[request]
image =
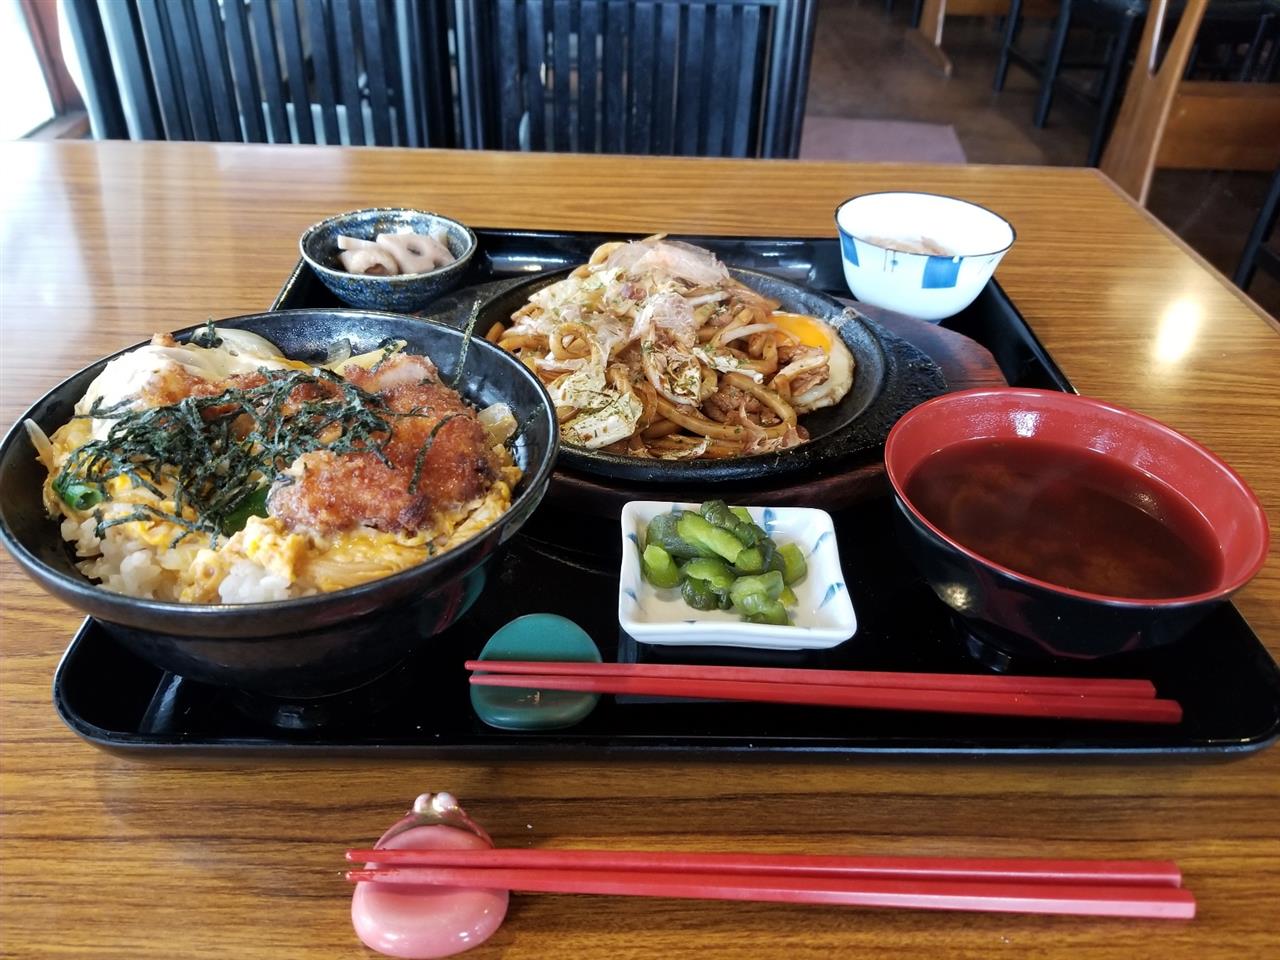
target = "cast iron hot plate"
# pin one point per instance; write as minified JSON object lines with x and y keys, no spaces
{"x":890,"y":377}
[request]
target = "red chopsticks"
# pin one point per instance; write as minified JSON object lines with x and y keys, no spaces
{"x":1159,"y":873}
{"x":1066,"y":686}
{"x":1131,"y":701}
{"x":1150,"y":889}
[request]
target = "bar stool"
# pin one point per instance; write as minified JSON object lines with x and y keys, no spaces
{"x":1256,"y":252}
{"x":1226,"y":22}
{"x":917,"y":10}
{"x":1230,"y":24}
{"x":1118,"y":20}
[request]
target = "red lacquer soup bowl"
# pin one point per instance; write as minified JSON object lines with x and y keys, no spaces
{"x":1121,"y":459}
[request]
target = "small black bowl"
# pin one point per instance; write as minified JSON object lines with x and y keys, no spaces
{"x":313,"y":646}
{"x":402,"y":293}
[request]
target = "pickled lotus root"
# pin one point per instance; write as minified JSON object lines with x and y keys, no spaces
{"x":365,"y":257}
{"x":392,"y":254}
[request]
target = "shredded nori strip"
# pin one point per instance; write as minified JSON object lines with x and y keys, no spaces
{"x":213,"y":462}
{"x":467,"y":333}
{"x":208,"y":337}
{"x":518,"y":432}
{"x":423,"y":450}
{"x":389,"y":346}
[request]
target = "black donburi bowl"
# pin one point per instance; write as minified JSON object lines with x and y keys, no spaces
{"x":312,"y":646}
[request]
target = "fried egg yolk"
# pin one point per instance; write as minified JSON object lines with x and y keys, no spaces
{"x":810,"y":331}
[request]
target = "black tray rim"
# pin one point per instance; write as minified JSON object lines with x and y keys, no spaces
{"x":707,"y":749}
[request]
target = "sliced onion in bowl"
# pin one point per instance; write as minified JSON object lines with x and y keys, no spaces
{"x":499,"y":422}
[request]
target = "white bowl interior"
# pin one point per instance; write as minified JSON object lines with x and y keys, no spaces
{"x":823,"y":615}
{"x":964,"y":229}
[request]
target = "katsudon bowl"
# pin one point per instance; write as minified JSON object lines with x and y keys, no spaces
{"x":312,"y":646}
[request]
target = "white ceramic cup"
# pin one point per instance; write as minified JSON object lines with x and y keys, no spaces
{"x":930,"y":287}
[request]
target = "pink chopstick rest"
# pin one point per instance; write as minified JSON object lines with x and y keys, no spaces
{"x":420,"y":923}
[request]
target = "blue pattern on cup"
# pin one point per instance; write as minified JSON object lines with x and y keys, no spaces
{"x":848,"y":248}
{"x":940,"y":272}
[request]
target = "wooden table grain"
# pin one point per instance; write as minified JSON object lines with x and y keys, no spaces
{"x":105,"y":857}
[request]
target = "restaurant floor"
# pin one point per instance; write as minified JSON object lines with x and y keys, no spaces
{"x":865,"y":68}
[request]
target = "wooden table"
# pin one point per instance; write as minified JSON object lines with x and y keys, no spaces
{"x":112,"y":858}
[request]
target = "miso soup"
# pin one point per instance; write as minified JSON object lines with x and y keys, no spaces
{"x":1073,"y":518}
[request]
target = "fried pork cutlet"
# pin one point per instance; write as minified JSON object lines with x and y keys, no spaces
{"x":439,"y":454}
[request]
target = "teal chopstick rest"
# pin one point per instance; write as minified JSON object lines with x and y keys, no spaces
{"x":537,"y":636}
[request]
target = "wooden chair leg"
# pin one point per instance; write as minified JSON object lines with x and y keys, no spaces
{"x":1262,"y":229}
{"x":1110,"y":87}
{"x":1012,"y":26}
{"x":1052,"y":62}
{"x":1193,"y":61}
{"x":1130,"y":156}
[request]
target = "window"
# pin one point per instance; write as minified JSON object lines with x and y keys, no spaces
{"x":26,"y":104}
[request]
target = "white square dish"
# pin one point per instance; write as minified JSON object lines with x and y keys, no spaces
{"x":823,"y":613}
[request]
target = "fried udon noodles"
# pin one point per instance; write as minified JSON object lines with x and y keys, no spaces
{"x":221,"y":471}
{"x":652,"y":349}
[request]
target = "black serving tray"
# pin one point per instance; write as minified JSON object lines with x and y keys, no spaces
{"x":568,"y":564}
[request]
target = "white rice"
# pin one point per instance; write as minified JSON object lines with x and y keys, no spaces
{"x":123,"y":565}
{"x":246,"y":582}
{"x":138,"y":569}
